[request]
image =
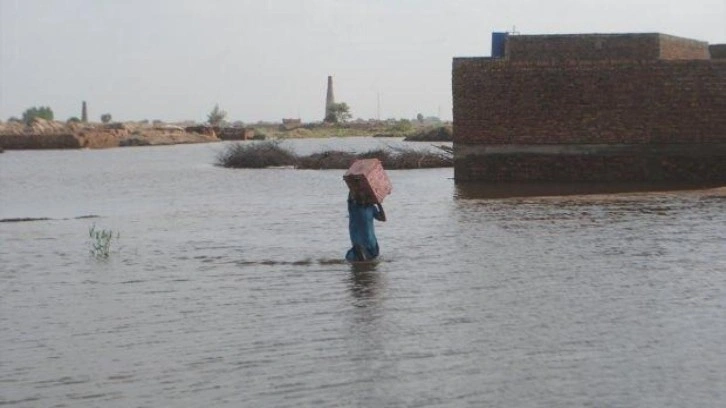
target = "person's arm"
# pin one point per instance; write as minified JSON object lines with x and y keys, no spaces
{"x":380,"y":214}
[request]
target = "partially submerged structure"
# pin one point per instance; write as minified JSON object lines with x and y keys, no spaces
{"x":592,"y":107}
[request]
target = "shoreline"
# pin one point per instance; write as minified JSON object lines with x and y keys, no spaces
{"x":50,"y":135}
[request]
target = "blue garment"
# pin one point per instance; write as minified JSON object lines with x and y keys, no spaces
{"x":362,"y":233}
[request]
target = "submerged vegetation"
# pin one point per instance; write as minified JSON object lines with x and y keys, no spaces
{"x":100,"y":241}
{"x":255,"y":155}
{"x":271,"y":154}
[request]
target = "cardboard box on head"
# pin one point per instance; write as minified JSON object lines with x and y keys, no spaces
{"x":367,"y":181}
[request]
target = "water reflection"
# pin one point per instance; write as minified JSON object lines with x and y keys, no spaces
{"x":478,"y":190}
{"x":365,"y":283}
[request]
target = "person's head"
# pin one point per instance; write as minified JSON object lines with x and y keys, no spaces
{"x":359,"y":198}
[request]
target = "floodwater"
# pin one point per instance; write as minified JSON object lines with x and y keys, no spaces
{"x":226,"y":288}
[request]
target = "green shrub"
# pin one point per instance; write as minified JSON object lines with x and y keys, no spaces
{"x":403,"y":125}
{"x":338,"y":113}
{"x":42,"y":112}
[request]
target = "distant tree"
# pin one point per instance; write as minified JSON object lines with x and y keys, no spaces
{"x":420,"y":118}
{"x":403,"y":125}
{"x":42,"y":112}
{"x":73,"y":119}
{"x":338,"y":112}
{"x":216,"y":116}
{"x":14,"y":119}
{"x":106,"y":117}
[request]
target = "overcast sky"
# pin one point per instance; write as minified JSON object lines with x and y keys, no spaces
{"x":265,"y":60}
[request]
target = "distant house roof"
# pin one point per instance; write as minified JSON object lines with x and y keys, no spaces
{"x":594,"y":47}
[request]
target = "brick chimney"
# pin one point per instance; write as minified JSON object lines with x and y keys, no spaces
{"x":329,"y":99}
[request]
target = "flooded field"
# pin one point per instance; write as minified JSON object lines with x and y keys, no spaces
{"x":226,"y":288}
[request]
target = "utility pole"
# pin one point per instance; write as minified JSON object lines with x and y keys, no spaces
{"x":378,"y":110}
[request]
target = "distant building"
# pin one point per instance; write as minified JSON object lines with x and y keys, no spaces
{"x":591,"y":107}
{"x":233,"y":133}
{"x":290,"y":124}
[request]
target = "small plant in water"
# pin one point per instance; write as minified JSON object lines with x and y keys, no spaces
{"x":101,"y":241}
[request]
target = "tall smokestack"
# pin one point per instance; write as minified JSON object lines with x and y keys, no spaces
{"x":84,"y":113}
{"x":329,"y":99}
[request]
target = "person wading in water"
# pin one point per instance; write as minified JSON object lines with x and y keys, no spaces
{"x":360,"y":225}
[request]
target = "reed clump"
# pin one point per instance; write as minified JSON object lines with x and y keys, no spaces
{"x":271,"y":154}
{"x":100,"y":241}
{"x":255,"y":156}
{"x":326,"y":160}
{"x":436,"y":134}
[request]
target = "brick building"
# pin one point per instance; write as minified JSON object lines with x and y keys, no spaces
{"x":592,"y":107}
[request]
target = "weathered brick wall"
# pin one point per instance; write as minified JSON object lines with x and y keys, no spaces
{"x":588,"y":47}
{"x":647,"y":104}
{"x":603,"y":47}
{"x":705,"y":167}
{"x":498,"y":102}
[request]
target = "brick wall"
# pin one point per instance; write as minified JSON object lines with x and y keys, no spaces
{"x":708,"y":166}
{"x":643,"y":103}
{"x":603,"y":47}
{"x":588,"y":47}
{"x":497,"y":102}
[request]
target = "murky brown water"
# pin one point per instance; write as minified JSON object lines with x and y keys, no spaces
{"x":226,"y":289}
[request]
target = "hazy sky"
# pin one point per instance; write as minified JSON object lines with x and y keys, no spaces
{"x":265,"y":60}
